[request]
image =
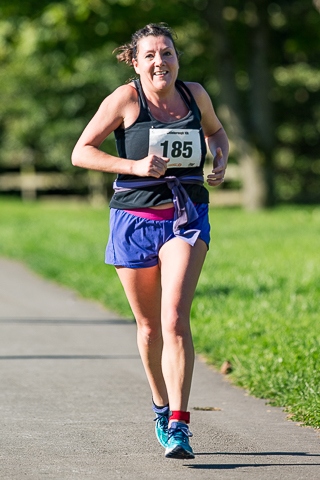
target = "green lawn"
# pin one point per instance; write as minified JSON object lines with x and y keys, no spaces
{"x":257,"y":303}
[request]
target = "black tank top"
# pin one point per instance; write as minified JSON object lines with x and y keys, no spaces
{"x":133,"y":143}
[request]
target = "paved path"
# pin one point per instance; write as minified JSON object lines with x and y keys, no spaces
{"x":74,"y":402}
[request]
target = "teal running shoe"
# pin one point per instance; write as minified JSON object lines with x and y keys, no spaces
{"x":161,"y":427}
{"x":178,"y":442}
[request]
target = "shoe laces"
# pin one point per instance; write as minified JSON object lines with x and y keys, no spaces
{"x":181,"y":429}
{"x":162,"y":419}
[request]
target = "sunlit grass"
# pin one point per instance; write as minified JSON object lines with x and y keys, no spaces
{"x":256,"y":304}
{"x":64,"y":242}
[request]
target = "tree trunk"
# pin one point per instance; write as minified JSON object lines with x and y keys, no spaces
{"x":249,"y":158}
{"x":260,"y":111}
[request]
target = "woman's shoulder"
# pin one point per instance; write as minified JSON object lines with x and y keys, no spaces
{"x":124,"y":93}
{"x":200,"y":94}
{"x":121,"y":103}
{"x":195,"y":88}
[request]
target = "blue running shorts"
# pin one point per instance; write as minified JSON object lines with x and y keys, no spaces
{"x":134,"y":242}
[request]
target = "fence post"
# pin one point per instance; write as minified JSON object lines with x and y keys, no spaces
{"x":28,"y":182}
{"x":96,"y":188}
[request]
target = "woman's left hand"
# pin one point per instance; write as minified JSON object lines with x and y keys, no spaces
{"x":219,"y":169}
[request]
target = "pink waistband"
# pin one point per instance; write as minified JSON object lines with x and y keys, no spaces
{"x":153,"y":213}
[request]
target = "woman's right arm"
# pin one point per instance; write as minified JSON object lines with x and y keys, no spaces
{"x":119,"y":108}
{"x":110,"y":115}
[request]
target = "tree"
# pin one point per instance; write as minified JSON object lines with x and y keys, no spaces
{"x":258,"y":60}
{"x":265,"y":54}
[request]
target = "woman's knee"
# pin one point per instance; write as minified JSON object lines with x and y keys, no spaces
{"x":149,"y":334}
{"x":175,"y":324}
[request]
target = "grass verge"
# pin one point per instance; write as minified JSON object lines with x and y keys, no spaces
{"x":257,"y":303}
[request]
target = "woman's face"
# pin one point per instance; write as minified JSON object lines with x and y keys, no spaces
{"x":157,"y":62}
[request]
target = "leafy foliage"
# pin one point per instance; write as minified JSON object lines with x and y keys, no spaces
{"x":57,"y":66}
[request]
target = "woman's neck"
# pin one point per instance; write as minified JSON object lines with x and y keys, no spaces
{"x":166,"y":107}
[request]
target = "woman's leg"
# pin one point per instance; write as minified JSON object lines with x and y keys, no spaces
{"x":180,"y":266}
{"x":143,"y":290}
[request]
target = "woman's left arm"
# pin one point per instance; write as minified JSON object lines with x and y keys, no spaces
{"x":215,"y":135}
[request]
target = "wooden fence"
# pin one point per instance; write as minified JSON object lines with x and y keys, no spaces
{"x":30,"y":184}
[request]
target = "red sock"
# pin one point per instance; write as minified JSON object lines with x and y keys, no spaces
{"x":180,"y":415}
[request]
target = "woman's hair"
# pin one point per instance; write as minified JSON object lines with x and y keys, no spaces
{"x":129,"y":51}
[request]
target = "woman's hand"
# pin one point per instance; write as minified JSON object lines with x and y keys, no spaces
{"x":150,"y":166}
{"x":219,"y":169}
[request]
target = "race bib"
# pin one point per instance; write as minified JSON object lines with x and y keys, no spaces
{"x":182,"y":147}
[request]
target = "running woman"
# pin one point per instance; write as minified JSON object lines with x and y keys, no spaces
{"x":159,"y":227}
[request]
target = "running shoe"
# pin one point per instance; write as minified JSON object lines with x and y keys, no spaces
{"x":178,"y":441}
{"x":161,"y":427}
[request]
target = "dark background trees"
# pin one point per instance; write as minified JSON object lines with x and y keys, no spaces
{"x":258,"y":60}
